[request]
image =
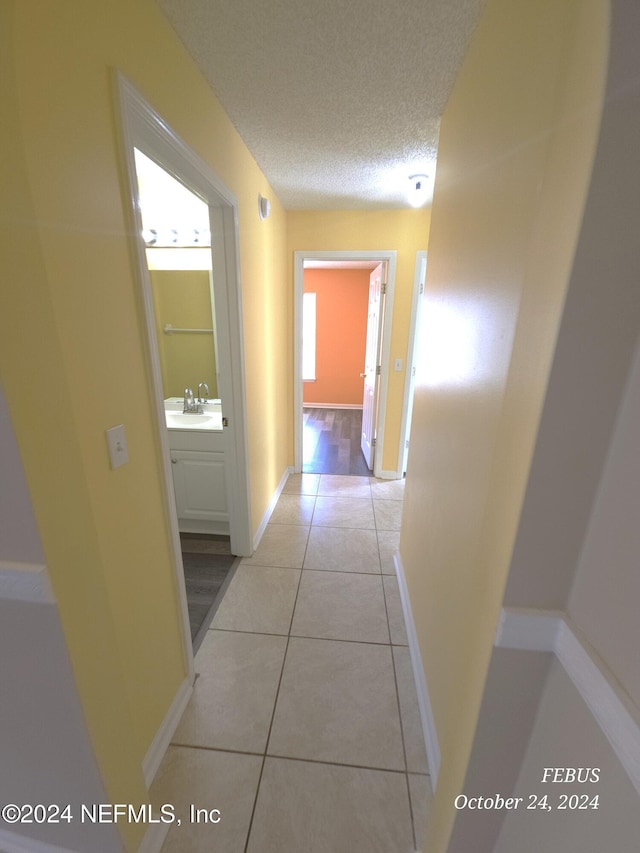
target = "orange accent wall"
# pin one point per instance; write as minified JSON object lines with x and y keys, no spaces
{"x":341,"y":334}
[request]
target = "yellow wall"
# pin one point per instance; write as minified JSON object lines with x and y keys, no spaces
{"x":71,"y":347}
{"x":406,"y":231}
{"x":182,"y":298}
{"x":516,"y":149}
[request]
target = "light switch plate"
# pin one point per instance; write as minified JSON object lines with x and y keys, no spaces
{"x":117,"y":442}
{"x":397,"y":365}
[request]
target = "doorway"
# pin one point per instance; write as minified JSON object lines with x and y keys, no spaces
{"x":144,"y":130}
{"x":177,"y":236}
{"x":340,"y":428}
{"x":340,"y":340}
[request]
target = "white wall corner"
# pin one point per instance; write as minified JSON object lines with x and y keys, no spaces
{"x":424,"y":702}
{"x":272,"y":505}
{"x":528,"y":629}
{"x":161,"y":741}
{"x":611,"y":707}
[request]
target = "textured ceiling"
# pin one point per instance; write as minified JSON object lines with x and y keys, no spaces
{"x":338,"y":100}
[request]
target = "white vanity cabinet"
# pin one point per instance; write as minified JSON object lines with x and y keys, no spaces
{"x":197,"y":465}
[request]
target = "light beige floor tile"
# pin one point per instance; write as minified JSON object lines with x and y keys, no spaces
{"x":318,"y":808}
{"x":259,"y":599}
{"x":341,"y":606}
{"x":337,"y":702}
{"x":233,"y":697}
{"x":344,"y":512}
{"x":302,"y":484}
{"x":389,"y":490}
{"x":209,"y":780}
{"x":335,"y":549}
{"x":394,"y":611}
{"x":388,"y":544}
{"x":410,"y":712}
{"x":421,"y":799}
{"x":281,"y":545}
{"x":388,"y":514}
{"x":340,"y":485}
{"x":293,"y":509}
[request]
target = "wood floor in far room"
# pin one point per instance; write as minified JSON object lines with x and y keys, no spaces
{"x":331,"y":442}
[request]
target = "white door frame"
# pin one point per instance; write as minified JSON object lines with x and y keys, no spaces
{"x":412,"y":353}
{"x":372,"y":361}
{"x":143,"y":128}
{"x":390,"y":257}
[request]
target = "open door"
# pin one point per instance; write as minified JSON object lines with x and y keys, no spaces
{"x":372,"y":367}
{"x":412,"y":354}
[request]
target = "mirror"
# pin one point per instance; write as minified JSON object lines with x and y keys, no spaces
{"x":178,"y":248}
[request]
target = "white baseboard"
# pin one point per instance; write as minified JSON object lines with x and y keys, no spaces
{"x":272,"y":505}
{"x":161,"y":741}
{"x":332,"y":405}
{"x":552,"y":631}
{"x":426,"y":713}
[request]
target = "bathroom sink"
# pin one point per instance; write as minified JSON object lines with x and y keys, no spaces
{"x":208,"y":420}
{"x":174,"y":404}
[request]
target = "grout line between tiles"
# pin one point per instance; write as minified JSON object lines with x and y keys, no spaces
{"x":335,"y":640}
{"x":295,"y":758}
{"x":315,"y":504}
{"x":340,"y":640}
{"x":247,"y":631}
{"x":217,"y":749}
{"x":336,"y":764}
{"x":275,"y":703}
{"x":308,"y":636}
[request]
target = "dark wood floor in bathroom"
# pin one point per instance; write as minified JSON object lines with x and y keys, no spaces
{"x":208,"y":567}
{"x":331,"y":442}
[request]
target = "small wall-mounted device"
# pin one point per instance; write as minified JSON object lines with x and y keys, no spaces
{"x":264,"y":207}
{"x":418,"y":190}
{"x":117,"y":443}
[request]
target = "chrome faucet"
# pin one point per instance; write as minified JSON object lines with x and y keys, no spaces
{"x":202,"y":399}
{"x":190,"y":405}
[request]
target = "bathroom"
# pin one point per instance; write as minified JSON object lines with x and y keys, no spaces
{"x":176,"y":232}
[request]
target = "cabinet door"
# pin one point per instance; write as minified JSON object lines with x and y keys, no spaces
{"x":199,"y":483}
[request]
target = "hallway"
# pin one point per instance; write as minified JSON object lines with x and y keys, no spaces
{"x":303,"y":729}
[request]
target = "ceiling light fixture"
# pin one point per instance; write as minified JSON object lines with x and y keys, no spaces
{"x":418,"y":190}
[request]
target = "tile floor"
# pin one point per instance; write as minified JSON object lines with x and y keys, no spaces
{"x":303,"y":729}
